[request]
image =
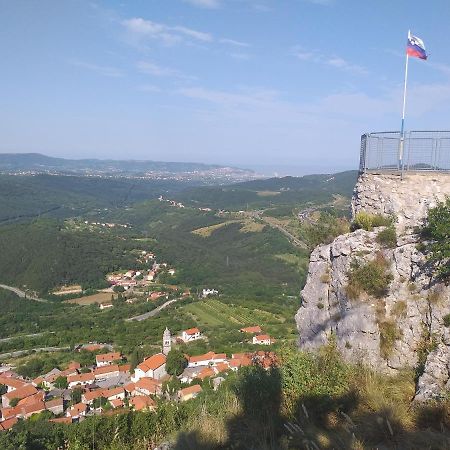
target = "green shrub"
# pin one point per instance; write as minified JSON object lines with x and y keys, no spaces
{"x":437,"y":233}
{"x":447,"y":320}
{"x":372,"y":277}
{"x":368,"y":221}
{"x":387,"y":237}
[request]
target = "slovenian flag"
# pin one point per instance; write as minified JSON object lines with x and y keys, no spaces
{"x":416,"y":47}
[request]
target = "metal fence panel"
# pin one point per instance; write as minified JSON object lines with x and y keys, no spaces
{"x":422,"y":151}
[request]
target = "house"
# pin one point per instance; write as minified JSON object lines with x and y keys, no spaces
{"x":12,"y":383}
{"x":116,"y":393}
{"x":77,"y":411}
{"x":34,"y":408}
{"x":171,"y":272}
{"x":141,"y":403}
{"x":7,"y":424}
{"x":81,"y":379}
{"x":74,"y":365}
{"x":190,"y":373}
{"x":107,"y":358}
{"x":151,"y":275}
{"x":20,"y":393}
{"x":209,"y":292}
{"x":148,"y":386}
{"x":88,"y":397}
{"x":206,"y":359}
{"x":206,"y":372}
{"x":56,"y":406}
{"x":189,"y":392}
{"x":105,"y":372}
{"x":251,"y":330}
{"x":262,"y":339}
{"x":106,"y":305}
{"x":117,"y":403}
{"x":152,"y":367}
{"x":192,"y":334}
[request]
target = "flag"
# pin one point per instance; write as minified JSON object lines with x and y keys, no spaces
{"x":415,"y":47}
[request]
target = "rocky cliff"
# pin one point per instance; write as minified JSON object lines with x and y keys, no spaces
{"x":404,"y":328}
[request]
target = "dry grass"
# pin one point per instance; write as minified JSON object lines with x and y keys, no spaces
{"x":251,"y":226}
{"x":208,"y":231}
{"x":101,"y":297}
{"x":72,"y":289}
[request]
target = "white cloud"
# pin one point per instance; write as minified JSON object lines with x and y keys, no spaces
{"x":168,"y":35}
{"x":234,"y":42}
{"x":106,"y":71}
{"x":332,"y":61}
{"x":209,"y":4}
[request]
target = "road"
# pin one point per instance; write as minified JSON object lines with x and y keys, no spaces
{"x":26,"y":336}
{"x":287,"y":233}
{"x":21,"y":293}
{"x":153,"y":312}
{"x":17,"y":353}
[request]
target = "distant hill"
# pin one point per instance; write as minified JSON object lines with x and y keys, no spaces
{"x":272,"y":192}
{"x":36,"y":162}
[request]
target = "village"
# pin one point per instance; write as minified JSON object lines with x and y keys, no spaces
{"x":111,"y":385}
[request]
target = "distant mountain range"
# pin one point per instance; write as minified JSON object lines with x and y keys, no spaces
{"x":38,"y":163}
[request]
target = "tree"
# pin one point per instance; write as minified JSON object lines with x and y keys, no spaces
{"x":75,"y":395}
{"x":437,"y":232}
{"x":61,"y":383}
{"x":3,"y":389}
{"x":176,"y":362}
{"x":99,"y":402}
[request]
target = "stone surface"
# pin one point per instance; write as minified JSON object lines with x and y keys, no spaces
{"x":415,"y":303}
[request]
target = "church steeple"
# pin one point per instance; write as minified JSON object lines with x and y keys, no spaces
{"x":167,"y":341}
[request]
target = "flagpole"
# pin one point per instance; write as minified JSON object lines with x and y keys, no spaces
{"x":402,"y":130}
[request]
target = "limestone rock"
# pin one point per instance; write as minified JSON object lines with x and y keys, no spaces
{"x":415,"y":304}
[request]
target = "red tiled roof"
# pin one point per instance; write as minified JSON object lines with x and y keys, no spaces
{"x":106,"y":369}
{"x":255,"y":329}
{"x":54,"y":402}
{"x":77,"y":409}
{"x":125,"y":368}
{"x":153,"y":362}
{"x":7,"y":424}
{"x":61,"y":420}
{"x":39,"y":396}
{"x":149,"y":384}
{"x":205,"y":373}
{"x":12,"y":382}
{"x":33,"y":408}
{"x":262,"y":337}
{"x":204,"y":357}
{"x":74,"y":365}
{"x":142,"y":402}
{"x":81,"y":378}
{"x":92,"y":395}
{"x":22,"y":392}
{"x":194,"y":389}
{"x":116,"y":403}
{"x":222,"y":367}
{"x":129,"y":387}
{"x":113,"y":391}
{"x":108,"y":357}
{"x":192,"y":331}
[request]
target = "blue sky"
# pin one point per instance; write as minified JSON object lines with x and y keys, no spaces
{"x":289,"y":84}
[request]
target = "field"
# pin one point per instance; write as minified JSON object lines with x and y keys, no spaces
{"x":101,"y":297}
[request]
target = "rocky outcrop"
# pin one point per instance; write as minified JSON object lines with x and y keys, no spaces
{"x":414,"y":307}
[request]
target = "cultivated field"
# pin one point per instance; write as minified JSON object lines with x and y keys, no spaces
{"x":101,"y":297}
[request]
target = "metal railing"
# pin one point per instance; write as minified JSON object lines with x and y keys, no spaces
{"x":422,"y":151}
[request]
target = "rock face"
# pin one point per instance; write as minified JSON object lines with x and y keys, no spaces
{"x":414,"y":307}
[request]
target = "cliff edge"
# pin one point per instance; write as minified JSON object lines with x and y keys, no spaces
{"x":405,"y":326}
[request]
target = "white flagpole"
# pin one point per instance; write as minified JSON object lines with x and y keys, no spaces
{"x":402,"y":131}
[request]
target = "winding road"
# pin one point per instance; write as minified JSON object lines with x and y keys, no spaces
{"x":153,"y":312}
{"x":21,"y":293}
